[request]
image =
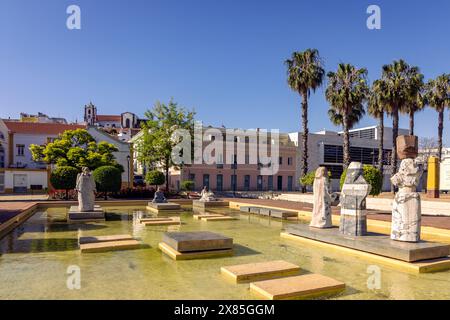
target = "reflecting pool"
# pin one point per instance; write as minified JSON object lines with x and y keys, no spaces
{"x":35,"y":259}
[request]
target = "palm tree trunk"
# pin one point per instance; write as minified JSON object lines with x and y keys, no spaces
{"x":411,"y":123}
{"x":394,"y":144}
{"x":346,"y":140}
{"x":304,"y":136}
{"x":380,"y":145}
{"x":440,"y":131}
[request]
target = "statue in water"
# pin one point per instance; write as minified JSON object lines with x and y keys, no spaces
{"x":159,"y":196}
{"x":206,"y":195}
{"x":321,"y":215}
{"x":85,"y":188}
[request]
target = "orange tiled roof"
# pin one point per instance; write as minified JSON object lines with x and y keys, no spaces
{"x":40,"y":128}
{"x":105,"y":117}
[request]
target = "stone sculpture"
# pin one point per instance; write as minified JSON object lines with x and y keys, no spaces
{"x":85,"y":188}
{"x":159,"y":196}
{"x":353,"y":220}
{"x":406,"y":210}
{"x":207,"y":196}
{"x":321,"y":215}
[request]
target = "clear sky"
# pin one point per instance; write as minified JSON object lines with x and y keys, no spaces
{"x":222,"y":57}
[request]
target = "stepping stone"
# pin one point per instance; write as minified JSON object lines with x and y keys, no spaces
{"x":206,"y":215}
{"x":298,"y":287}
{"x":163,"y":206}
{"x":197,"y":241}
{"x":283,"y":214}
{"x":109,"y":246}
{"x":85,"y":216}
{"x":244,"y":209}
{"x":210,"y":204}
{"x":176,"y":255}
{"x":154,"y":219}
{"x":254,"y":210}
{"x":169,"y":222}
{"x":223,"y":218}
{"x":260,"y":271}
{"x":96,"y":239}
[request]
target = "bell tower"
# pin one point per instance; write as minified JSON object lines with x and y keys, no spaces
{"x":90,"y":114}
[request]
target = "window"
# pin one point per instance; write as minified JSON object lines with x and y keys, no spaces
{"x":280,"y":160}
{"x":259,"y":183}
{"x":247,"y":159}
{"x":290,"y":183}
{"x":192,"y":176}
{"x":247,"y":182}
{"x":280,"y":183}
{"x":270,"y":183}
{"x":289,"y":161}
{"x":233,"y":182}
{"x":219,"y":182}
{"x":206,"y":180}
{"x":20,"y":149}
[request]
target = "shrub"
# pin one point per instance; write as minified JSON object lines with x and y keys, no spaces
{"x":64,"y":178}
{"x":107,"y":179}
{"x":155,"y":178}
{"x":308,"y":179}
{"x":372,"y":175}
{"x":187,"y":185}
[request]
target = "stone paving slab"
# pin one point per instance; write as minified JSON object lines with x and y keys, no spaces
{"x":176,"y":255}
{"x":260,"y":271}
{"x":109,"y":246}
{"x":210,"y":204}
{"x":171,"y":222}
{"x":96,"y":239}
{"x":142,"y":220}
{"x":374,"y":243}
{"x":207,"y":215}
{"x":298,"y":287}
{"x":197,"y":241}
{"x":164,"y":206}
{"x":223,"y":218}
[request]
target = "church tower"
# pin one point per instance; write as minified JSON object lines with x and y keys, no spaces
{"x":90,"y":114}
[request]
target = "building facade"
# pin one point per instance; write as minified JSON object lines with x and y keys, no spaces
{"x":325,"y":148}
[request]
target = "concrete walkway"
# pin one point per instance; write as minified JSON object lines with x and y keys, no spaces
{"x":9,"y":210}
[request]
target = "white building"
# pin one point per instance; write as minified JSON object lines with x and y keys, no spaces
{"x":325,"y":148}
{"x":18,"y":171}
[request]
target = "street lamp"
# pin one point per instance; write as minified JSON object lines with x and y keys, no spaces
{"x":128,"y":169}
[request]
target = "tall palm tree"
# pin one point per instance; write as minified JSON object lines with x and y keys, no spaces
{"x":399,"y":81}
{"x":416,"y":100}
{"x":346,"y":92}
{"x":305,"y":73}
{"x":438,"y":96}
{"x":376,"y":109}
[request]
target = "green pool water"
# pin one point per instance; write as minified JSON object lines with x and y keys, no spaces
{"x":35,"y":258}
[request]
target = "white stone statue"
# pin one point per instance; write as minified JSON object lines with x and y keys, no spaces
{"x":353,"y":220}
{"x":321,"y":214}
{"x":85,"y":188}
{"x":207,"y":196}
{"x":406,"y":210}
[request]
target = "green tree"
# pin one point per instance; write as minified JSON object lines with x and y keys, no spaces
{"x":308,"y":179}
{"x":346,"y":92}
{"x":372,"y":175}
{"x":399,"y":82}
{"x":416,"y":99}
{"x":107,"y":179}
{"x":438,"y":97}
{"x":155,"y":178}
{"x":158,"y":141}
{"x":64,"y":178}
{"x":376,"y":109}
{"x":305,"y":72}
{"x":76,"y":148}
{"x":187,"y":185}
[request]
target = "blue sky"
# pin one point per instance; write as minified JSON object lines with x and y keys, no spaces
{"x":223,"y":58}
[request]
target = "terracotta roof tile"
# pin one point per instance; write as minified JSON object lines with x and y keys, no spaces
{"x":40,"y":128}
{"x":105,"y":117}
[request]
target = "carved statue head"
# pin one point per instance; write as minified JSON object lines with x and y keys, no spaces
{"x":408,"y":174}
{"x":321,"y":172}
{"x":354,"y":173}
{"x":85,"y":170}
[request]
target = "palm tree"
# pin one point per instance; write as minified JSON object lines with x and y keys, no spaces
{"x":399,"y":82}
{"x":346,"y":92}
{"x":438,"y":97}
{"x":416,"y":101}
{"x":376,"y":109}
{"x":305,"y":73}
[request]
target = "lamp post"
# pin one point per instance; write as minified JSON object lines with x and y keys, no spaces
{"x":128,"y":170}
{"x":234,"y":177}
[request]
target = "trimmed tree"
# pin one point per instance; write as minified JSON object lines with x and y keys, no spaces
{"x":373,"y":176}
{"x":107,"y":179}
{"x":155,"y":178}
{"x":187,"y":185}
{"x":64,"y":178}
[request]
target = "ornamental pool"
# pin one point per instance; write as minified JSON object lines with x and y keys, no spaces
{"x":35,"y":257}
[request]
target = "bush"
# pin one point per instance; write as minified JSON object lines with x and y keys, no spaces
{"x":372,"y":175}
{"x":64,"y":178}
{"x":155,"y":178}
{"x":107,"y":179}
{"x":187,"y":185}
{"x":308,"y":179}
